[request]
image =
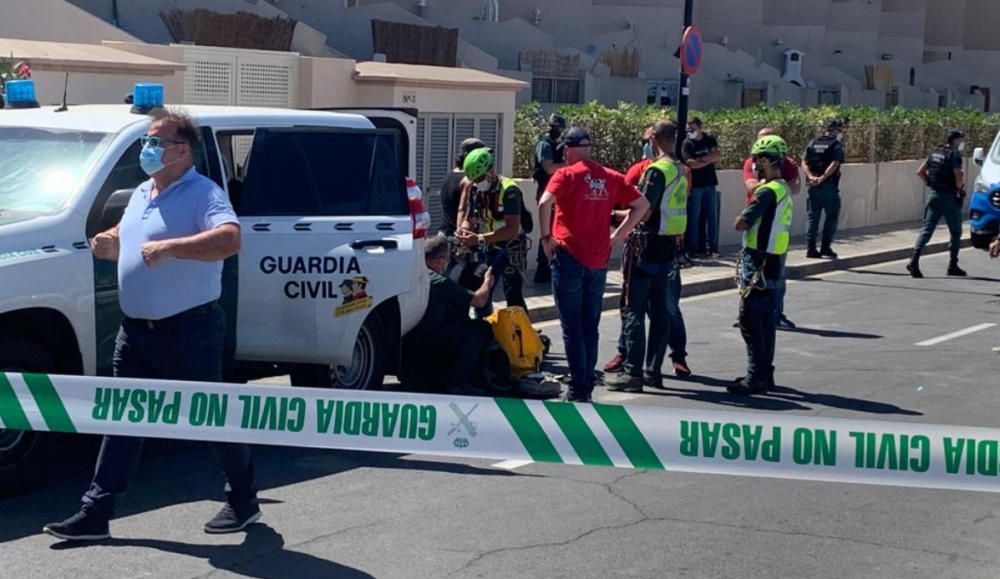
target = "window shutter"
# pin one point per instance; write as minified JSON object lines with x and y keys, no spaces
{"x":439,"y":164}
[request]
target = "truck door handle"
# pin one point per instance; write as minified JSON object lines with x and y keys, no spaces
{"x":384,"y":243}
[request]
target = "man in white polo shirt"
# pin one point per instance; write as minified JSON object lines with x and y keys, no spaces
{"x":170,"y":244}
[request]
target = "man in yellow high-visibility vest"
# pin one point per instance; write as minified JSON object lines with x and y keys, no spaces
{"x":766,"y":224}
{"x":650,"y":254}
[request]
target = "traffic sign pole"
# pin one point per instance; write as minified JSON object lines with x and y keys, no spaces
{"x":685,"y":88}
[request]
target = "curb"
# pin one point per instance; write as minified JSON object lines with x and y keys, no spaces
{"x":547,"y":311}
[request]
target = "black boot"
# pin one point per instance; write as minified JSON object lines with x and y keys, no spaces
{"x":954,"y":270}
{"x":914,"y":266}
{"x":827,"y":251}
{"x":811,"y":252}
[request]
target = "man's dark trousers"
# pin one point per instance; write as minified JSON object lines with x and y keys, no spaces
{"x":464,"y":342}
{"x":579,"y":295}
{"x":677,"y":330}
{"x":759,"y":331}
{"x":648,"y":290}
{"x":187,"y":346}
{"x":940,"y":205}
{"x":823,"y":199}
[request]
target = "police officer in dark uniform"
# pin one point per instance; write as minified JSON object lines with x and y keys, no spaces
{"x":548,"y":160}
{"x":821,"y":163}
{"x":942,"y":172}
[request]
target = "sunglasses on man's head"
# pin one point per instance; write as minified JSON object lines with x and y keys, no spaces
{"x":157,"y":141}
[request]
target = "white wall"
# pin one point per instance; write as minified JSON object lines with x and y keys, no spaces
{"x":54,"y":20}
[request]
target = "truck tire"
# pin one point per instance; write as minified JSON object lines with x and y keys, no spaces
{"x":367,"y":372}
{"x":23,"y":454}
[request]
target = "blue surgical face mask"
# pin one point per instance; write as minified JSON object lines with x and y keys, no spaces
{"x":151,"y":159}
{"x":647,"y":151}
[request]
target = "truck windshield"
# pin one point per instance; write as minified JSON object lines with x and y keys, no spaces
{"x":40,"y":169}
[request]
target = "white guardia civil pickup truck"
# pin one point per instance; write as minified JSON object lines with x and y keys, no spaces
{"x":330,"y":276}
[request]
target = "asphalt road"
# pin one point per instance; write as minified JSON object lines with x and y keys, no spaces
{"x":341,"y":514}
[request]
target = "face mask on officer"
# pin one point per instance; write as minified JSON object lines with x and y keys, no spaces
{"x":486,"y":184}
{"x":647,"y":150}
{"x":960,"y":146}
{"x":555,"y":132}
{"x":840,"y":137}
{"x":692,"y":133}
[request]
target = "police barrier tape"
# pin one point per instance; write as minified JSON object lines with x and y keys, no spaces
{"x":736,"y":443}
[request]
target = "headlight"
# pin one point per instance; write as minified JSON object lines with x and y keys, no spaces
{"x":980,"y":187}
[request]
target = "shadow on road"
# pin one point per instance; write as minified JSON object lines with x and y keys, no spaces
{"x":906,"y":274}
{"x":899,"y":287}
{"x":176,"y":472}
{"x":780,"y":399}
{"x":843,"y":402}
{"x":832,"y":333}
{"x":262,"y":554}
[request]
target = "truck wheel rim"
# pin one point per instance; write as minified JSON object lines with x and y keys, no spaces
{"x":359,"y":374}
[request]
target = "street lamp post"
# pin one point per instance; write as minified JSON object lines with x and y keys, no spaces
{"x":685,"y":89}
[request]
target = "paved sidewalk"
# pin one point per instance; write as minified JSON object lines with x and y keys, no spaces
{"x":856,"y":248}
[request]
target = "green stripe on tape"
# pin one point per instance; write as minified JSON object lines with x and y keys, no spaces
{"x":629,"y":437}
{"x":532,"y":436}
{"x":586,"y":445}
{"x":10,"y":409}
{"x":49,"y":403}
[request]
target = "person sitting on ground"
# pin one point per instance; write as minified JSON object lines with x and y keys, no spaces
{"x":447,"y":328}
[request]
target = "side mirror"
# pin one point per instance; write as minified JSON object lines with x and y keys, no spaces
{"x":114,"y":208}
{"x":979,"y":156}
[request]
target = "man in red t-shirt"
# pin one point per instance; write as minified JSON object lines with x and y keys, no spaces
{"x":576,"y":239}
{"x":790,"y":175}
{"x":789,"y":171}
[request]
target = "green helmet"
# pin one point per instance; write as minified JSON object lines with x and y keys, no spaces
{"x":771,"y":145}
{"x":478,"y":163}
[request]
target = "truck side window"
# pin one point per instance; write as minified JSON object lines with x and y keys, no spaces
{"x":126,"y":174}
{"x":305,"y":171}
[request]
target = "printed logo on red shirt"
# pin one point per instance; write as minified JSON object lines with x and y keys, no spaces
{"x":598,"y":189}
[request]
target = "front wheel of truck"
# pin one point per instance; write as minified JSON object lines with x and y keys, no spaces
{"x":23,"y":453}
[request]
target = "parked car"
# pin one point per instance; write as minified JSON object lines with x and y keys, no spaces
{"x":330,"y":277}
{"x":984,"y":206}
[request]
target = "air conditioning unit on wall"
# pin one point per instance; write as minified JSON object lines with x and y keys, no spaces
{"x":793,"y":67}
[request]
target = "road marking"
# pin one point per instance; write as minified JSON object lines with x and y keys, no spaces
{"x":512,"y":464}
{"x":953,"y":335}
{"x":617,"y":397}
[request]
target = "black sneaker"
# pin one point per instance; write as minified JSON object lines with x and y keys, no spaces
{"x":914,"y":270}
{"x":955,"y":271}
{"x":811,"y":253}
{"x":652,"y":379}
{"x":86,"y":525}
{"x":624,"y":383}
{"x":567,"y":397}
{"x":744,"y":387}
{"x":827,"y":252}
{"x":228,"y":521}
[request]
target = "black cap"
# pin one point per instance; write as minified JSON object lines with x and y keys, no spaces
{"x":469,"y":145}
{"x":576,"y":137}
{"x":955,"y":134}
{"x":835,"y":124}
{"x":557,"y":120}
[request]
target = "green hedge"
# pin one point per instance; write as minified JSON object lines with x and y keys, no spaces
{"x":872,"y":135}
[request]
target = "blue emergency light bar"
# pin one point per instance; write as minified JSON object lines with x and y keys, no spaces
{"x":146,"y":97}
{"x":20,"y":94}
